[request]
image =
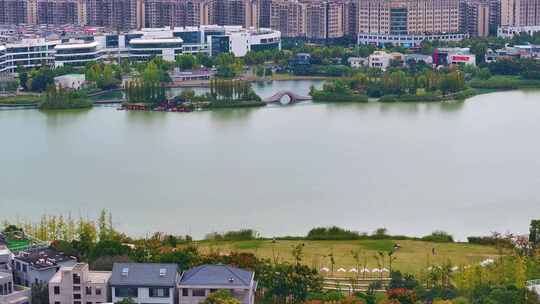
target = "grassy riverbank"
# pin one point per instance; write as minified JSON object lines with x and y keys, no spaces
{"x":413,"y":256}
{"x":503,"y":83}
{"x":20,"y":100}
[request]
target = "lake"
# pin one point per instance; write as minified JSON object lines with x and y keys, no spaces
{"x":467,"y":167}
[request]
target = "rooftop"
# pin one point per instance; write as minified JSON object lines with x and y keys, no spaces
{"x":99,"y":277}
{"x":43,"y":258}
{"x":144,"y":274}
{"x":219,"y":275}
{"x":155,"y":40}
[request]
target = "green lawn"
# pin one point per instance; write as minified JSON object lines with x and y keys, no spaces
{"x":413,"y":256}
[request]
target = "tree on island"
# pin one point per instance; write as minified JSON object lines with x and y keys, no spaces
{"x":186,"y":61}
{"x":58,"y":97}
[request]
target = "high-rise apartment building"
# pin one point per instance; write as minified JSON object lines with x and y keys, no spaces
{"x":176,"y":13}
{"x":494,"y":15}
{"x":529,"y":12}
{"x":158,"y":13}
{"x":350,"y":17}
{"x":233,"y":12}
{"x":115,"y":14}
{"x":335,"y":26}
{"x":13,"y":11}
{"x":474,"y":17}
{"x":406,"y":17}
{"x":520,"y":12}
{"x":264,"y":12}
{"x":316,"y":14}
{"x":287,"y":16}
{"x":57,"y":12}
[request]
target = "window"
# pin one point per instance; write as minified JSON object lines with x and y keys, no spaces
{"x":56,"y":290}
{"x":199,"y":292}
{"x":77,"y":296}
{"x":24,"y":268}
{"x":56,"y":302}
{"x":159,"y":292}
{"x":126,"y":292}
{"x":77,"y":302}
{"x":185,"y":292}
{"x":88,"y":290}
{"x":77,"y":288}
{"x":88,"y":302}
{"x":76,"y":279}
{"x":98,"y":291}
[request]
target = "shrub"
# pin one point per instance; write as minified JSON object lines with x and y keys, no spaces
{"x":398,"y":280}
{"x":403,"y":295}
{"x":438,"y":237}
{"x":490,"y":240}
{"x":239,"y":235}
{"x":332,"y":233}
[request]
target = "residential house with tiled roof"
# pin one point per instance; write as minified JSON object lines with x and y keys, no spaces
{"x":144,"y":283}
{"x":198,"y":283}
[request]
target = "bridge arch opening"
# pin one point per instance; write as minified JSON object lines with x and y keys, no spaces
{"x":285,"y":99}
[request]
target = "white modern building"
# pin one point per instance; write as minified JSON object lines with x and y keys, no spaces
{"x":380,"y":60}
{"x":27,"y":53}
{"x":406,"y":40}
{"x":77,"y":53}
{"x":511,"y":31}
{"x":357,"y":62}
{"x":138,"y":45}
{"x":141,"y":49}
{"x":39,"y":266}
{"x":79,"y":285}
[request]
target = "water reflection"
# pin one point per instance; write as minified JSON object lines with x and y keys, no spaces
{"x":63,"y":118}
{"x":149,"y":118}
{"x":452,"y":106}
{"x":226,"y":117}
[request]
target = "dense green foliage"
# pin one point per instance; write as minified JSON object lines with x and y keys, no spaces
{"x":186,"y":61}
{"x":438,"y":237}
{"x":500,"y":82}
{"x":58,"y":98}
{"x":228,"y":66}
{"x":105,"y":76}
{"x":332,"y":233}
{"x":40,"y":293}
{"x":231,"y":90}
{"x":40,"y":79}
{"x":240,"y":235}
{"x":221,"y":297}
{"x":151,"y":92}
{"x":336,"y":91}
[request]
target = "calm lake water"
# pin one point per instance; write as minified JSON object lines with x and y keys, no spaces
{"x":467,"y":168}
